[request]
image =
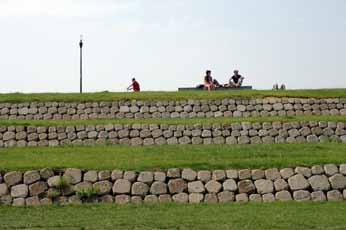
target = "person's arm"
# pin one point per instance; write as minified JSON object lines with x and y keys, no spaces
{"x":130,"y":87}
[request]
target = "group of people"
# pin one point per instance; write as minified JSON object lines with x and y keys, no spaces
{"x":234,"y":82}
{"x":209,"y":83}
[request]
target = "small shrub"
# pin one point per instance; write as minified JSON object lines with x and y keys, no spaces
{"x":52,"y":194}
{"x":87,"y":193}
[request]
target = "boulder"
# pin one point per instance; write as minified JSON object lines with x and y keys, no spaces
{"x":195,"y":198}
{"x":177,"y":186}
{"x":334,"y":195}
{"x":246,"y":186}
{"x":122,"y":199}
{"x":257,"y":174}
{"x":244,"y":174}
{"x":75,"y":175}
{"x":181,"y":198}
{"x":268,"y":197}
{"x":90,"y":176}
{"x":3,"y":189}
{"x":13,"y":178}
{"x":146,"y":177}
{"x":160,"y":176}
{"x":210,"y":198}
{"x":242,"y":197}
{"x":298,"y":182}
{"x":122,"y":186}
{"x":272,"y":174}
{"x":189,"y":174}
{"x":301,"y":195}
{"x":19,"y":191}
{"x":173,"y":173}
{"x":280,"y":185}
{"x":318,"y":196}
{"x":151,"y":199}
{"x":319,"y":183}
{"x":103,"y":187}
{"x":195,"y":187}
{"x":219,"y":175}
{"x":225,"y":196}
{"x":306,"y":172}
{"x":286,"y":173}
{"x":338,"y":181}
{"x":38,"y":188}
{"x":117,"y":174}
{"x":46,"y":173}
{"x":204,"y":175}
{"x":283,"y":195}
{"x":31,"y":177}
{"x":230,"y":185}
{"x":255,"y":198}
{"x":139,"y":189}
{"x":158,"y":188}
{"x":213,"y":186}
{"x":330,"y":169}
{"x":264,"y":186}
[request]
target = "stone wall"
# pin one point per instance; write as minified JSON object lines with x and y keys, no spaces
{"x":154,"y":134}
{"x":174,"y":109}
{"x":47,"y":186}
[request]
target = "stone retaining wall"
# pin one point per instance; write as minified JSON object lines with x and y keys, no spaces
{"x":174,"y":109}
{"x":235,"y":133}
{"x":319,"y":183}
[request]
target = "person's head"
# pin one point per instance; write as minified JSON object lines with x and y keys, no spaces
{"x":208,"y":72}
{"x":133,"y":79}
{"x":236,"y":72}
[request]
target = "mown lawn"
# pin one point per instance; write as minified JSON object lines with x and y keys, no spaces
{"x":109,"y":96}
{"x":267,"y":216}
{"x":163,"y":157}
{"x":170,"y":121}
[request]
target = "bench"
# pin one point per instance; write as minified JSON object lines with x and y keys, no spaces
{"x":221,"y":88}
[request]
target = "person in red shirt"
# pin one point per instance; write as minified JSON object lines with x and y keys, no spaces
{"x":134,"y":86}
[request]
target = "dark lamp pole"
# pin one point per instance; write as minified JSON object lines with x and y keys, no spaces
{"x":81,"y":64}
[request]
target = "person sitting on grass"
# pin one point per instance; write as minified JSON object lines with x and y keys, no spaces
{"x":134,"y":86}
{"x":208,"y":81}
{"x":236,"y":80}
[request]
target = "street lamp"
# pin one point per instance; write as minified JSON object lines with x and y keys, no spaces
{"x":81,"y":64}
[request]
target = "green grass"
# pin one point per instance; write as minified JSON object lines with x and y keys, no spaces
{"x":163,"y":157}
{"x":169,"y":121}
{"x":290,"y":216}
{"x":109,"y":96}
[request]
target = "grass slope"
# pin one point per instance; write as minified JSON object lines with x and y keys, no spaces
{"x":170,"y":121}
{"x":307,"y":215}
{"x":163,"y":157}
{"x":109,"y":96}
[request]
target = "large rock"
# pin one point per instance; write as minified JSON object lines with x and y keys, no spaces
{"x":38,"y":188}
{"x":189,"y":174}
{"x":130,"y":176}
{"x":246,"y":186}
{"x":286,"y":173}
{"x":272,"y":174}
{"x":195,"y":198}
{"x":177,"y":186}
{"x":19,"y":191}
{"x":173,"y":173}
{"x":283,"y":196}
{"x":301,"y":195}
{"x":195,"y":187}
{"x":242,"y":197}
{"x":257,"y":174}
{"x":75,"y":175}
{"x":117,"y":174}
{"x":244,"y":174}
{"x":139,"y":189}
{"x":146,"y":177}
{"x":225,"y":196}
{"x":306,"y":172}
{"x":213,"y":186}
{"x":181,"y":198}
{"x":230,"y":185}
{"x":46,"y":173}
{"x":160,"y":176}
{"x":204,"y":175}
{"x":268,"y":197}
{"x":338,"y":181}
{"x":331,"y":169}
{"x":122,"y":186}
{"x":103,"y":187}
{"x":32,"y":201}
{"x":219,"y":175}
{"x":151,"y":199}
{"x":158,"y":188}
{"x":3,"y":189}
{"x":298,"y":182}
{"x":210,"y":198}
{"x":31,"y":177}
{"x":122,"y":199}
{"x":264,"y":186}
{"x":343,"y":169}
{"x":83,"y":186}
{"x":280,"y":185}
{"x":90,"y":176}
{"x":13,"y":178}
{"x":318,"y":196}
{"x":319,"y":183}
{"x":334,"y":195}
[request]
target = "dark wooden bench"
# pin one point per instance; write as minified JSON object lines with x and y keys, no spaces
{"x":221,"y":88}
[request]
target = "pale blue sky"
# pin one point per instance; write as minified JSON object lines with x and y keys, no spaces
{"x":170,"y":43}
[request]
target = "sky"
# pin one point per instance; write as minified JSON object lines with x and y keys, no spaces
{"x":168,"y":44}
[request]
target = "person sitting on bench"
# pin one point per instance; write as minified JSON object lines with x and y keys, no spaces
{"x":134,"y":86}
{"x":236,"y":80}
{"x":208,"y":81}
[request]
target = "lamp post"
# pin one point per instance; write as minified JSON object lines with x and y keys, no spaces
{"x":81,"y":64}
